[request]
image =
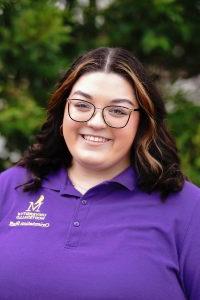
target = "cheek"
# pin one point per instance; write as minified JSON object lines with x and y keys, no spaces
{"x":70,"y":126}
{"x":133,"y":127}
{"x":70,"y":130}
{"x":127,"y":134}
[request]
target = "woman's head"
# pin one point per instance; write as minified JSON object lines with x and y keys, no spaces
{"x":100,"y":122}
{"x":120,"y":62}
{"x":102,"y":74}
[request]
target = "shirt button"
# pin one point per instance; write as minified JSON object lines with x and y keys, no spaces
{"x":76,"y":223}
{"x":84,"y":202}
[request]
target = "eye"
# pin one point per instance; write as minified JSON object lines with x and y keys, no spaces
{"x":82,"y":106}
{"x":117,"y":111}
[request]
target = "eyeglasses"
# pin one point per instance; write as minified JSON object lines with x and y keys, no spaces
{"x":114,"y":116}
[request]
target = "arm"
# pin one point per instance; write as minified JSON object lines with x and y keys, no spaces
{"x":190,"y":256}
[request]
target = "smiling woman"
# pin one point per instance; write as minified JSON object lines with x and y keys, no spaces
{"x":98,"y":208}
{"x":109,"y":76}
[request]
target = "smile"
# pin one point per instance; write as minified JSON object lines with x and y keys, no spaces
{"x":97,"y":139}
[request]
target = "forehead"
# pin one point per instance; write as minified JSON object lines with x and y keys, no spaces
{"x":100,"y":84}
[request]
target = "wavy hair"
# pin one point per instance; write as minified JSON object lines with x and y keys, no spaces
{"x":153,"y":154}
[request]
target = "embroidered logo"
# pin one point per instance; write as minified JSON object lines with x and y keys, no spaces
{"x":31,"y":214}
{"x":35,"y":206}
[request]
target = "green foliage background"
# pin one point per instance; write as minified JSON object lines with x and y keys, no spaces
{"x":39,"y":39}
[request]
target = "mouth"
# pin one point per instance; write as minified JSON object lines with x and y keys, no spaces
{"x":95,"y":139}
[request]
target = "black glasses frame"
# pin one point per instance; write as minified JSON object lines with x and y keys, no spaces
{"x":95,"y":108}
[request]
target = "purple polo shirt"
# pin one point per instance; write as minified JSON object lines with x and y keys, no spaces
{"x":114,"y":242}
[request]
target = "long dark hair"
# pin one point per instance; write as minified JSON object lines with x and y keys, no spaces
{"x":153,"y":154}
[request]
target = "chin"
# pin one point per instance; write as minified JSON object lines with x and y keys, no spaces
{"x":92,"y":164}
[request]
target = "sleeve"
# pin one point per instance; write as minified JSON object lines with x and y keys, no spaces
{"x":190,"y":256}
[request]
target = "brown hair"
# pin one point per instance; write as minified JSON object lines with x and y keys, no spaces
{"x":153,"y":154}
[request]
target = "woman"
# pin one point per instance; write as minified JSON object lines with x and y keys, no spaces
{"x":98,"y":207}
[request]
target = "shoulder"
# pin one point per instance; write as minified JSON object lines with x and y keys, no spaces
{"x":12,"y":171}
{"x":190,"y":189}
{"x":185,"y":202}
{"x":190,"y":199}
{"x":11,"y":188}
{"x":189,"y":196}
{"x":13,"y":177}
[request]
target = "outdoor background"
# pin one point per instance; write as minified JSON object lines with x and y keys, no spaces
{"x":39,"y":39}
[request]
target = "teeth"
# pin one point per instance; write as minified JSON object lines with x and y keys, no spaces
{"x":95,"y":138}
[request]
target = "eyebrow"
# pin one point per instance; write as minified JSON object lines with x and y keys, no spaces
{"x":115,"y":101}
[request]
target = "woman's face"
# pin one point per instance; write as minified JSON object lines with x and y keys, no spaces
{"x":93,"y":144}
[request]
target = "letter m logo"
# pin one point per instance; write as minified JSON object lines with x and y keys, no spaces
{"x":35,"y":206}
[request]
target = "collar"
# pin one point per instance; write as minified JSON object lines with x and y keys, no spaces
{"x":54,"y":180}
{"x":126,"y":178}
{"x":60,"y":182}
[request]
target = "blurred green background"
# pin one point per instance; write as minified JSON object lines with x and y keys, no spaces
{"x":39,"y":39}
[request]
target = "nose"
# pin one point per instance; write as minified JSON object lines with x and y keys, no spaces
{"x":97,"y":120}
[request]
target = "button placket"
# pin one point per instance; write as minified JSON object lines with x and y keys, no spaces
{"x":77,"y":224}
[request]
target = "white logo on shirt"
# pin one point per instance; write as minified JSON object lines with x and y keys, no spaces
{"x":31,"y":214}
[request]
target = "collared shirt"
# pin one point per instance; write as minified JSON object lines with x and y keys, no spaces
{"x":115,"y":242}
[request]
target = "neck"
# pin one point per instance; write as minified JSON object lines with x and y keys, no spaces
{"x":87,"y":178}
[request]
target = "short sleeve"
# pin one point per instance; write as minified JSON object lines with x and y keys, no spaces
{"x":190,"y":256}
